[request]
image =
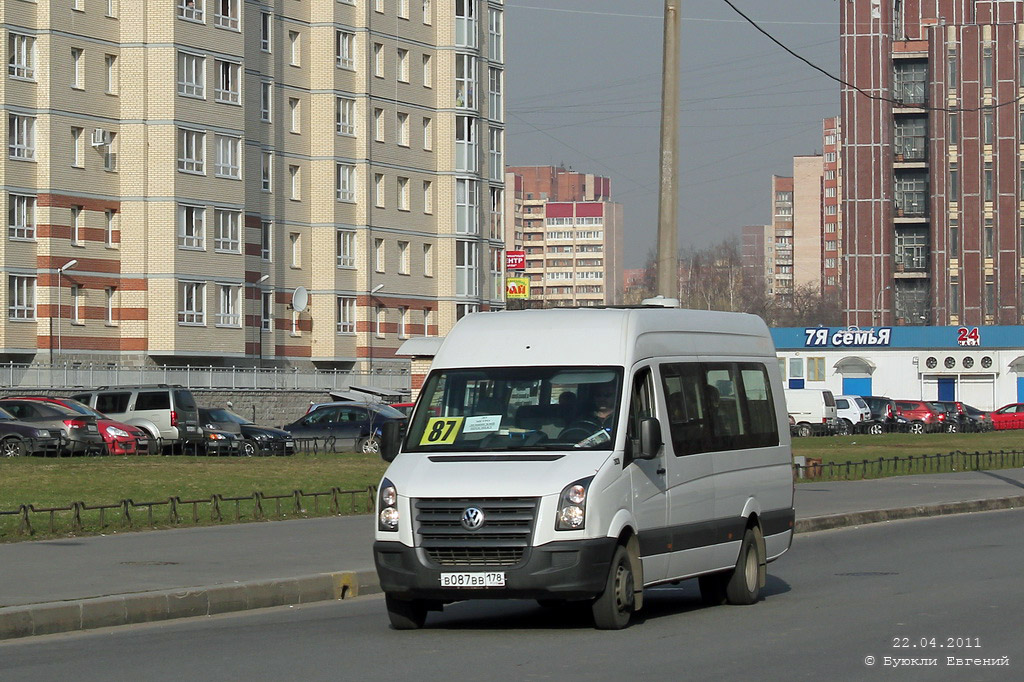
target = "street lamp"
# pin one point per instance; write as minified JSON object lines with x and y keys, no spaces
{"x":67,"y":266}
{"x":259,"y":324}
{"x":878,"y":303}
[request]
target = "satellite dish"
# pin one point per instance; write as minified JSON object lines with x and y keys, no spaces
{"x":300,"y":299}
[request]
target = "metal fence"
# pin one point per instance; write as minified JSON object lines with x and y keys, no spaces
{"x":89,"y":375}
{"x":813,"y":468}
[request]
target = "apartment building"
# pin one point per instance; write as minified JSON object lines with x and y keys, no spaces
{"x":781,"y":277}
{"x":571,"y":232}
{"x":933,"y":161}
{"x":832,"y":218}
{"x":229,"y":182}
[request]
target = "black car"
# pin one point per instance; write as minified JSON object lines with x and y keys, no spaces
{"x":256,"y":440}
{"x":346,"y":426}
{"x":885,"y":415}
{"x":81,"y":432}
{"x":18,"y":438}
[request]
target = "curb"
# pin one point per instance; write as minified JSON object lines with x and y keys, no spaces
{"x":146,"y":607}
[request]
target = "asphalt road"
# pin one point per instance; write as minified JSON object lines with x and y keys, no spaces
{"x":945,"y":587}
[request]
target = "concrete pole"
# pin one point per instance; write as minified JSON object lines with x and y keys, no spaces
{"x":668,"y":198}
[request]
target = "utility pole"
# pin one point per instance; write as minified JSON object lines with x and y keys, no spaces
{"x":668,"y":198}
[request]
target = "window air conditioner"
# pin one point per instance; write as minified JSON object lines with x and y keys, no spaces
{"x":100,"y":137}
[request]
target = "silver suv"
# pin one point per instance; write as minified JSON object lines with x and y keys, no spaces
{"x":168,"y":413}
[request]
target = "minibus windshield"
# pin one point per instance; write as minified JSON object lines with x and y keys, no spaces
{"x":497,"y":409}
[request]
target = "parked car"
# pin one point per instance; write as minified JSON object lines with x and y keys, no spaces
{"x":921,"y":416}
{"x":853,"y":413}
{"x":346,"y":426}
{"x":218,"y":443}
{"x":256,"y":440}
{"x":981,"y":418}
{"x":18,"y":438}
{"x":120,"y":438}
{"x":404,"y":408}
{"x":167,"y":413}
{"x":814,"y":410}
{"x":1008,"y":417}
{"x":82,"y":433}
{"x":956,"y":419}
{"x":885,"y":415}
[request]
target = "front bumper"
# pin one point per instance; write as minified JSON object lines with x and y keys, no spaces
{"x":576,"y":569}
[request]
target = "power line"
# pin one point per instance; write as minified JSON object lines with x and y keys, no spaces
{"x":880,"y":98}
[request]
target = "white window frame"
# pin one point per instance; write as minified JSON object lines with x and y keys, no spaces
{"x":229,"y":82}
{"x":345,"y":50}
{"x":402,"y":57}
{"x":110,"y":154}
{"x":378,"y":125}
{"x":379,"y":190}
{"x":495,"y":35}
{"x":428,"y":12}
{"x":266,"y":240}
{"x":295,"y":181}
{"x":428,"y":134}
{"x":346,"y":315}
{"x":294,"y":48}
{"x":21,"y":63}
{"x":228,"y":161}
{"x":466,"y":143}
{"x":266,"y":31}
{"x":295,"y":243}
{"x":227,"y":306}
{"x":77,"y":225}
{"x":497,"y":283}
{"x":403,"y":9}
{"x":21,"y":297}
{"x":192,"y":10}
{"x":266,"y":101}
{"x":192,"y":151}
{"x":267,"y":171}
{"x":495,"y":89}
{"x":402,"y":125}
{"x":403,"y":322}
{"x":109,"y":225}
{"x":380,"y":320}
{"x":496,"y":152}
{"x":467,"y":264}
{"x":76,"y":304}
{"x":345,"y":116}
{"x":227,"y":230}
{"x":467,"y":202}
{"x":465,"y":81}
{"x":497,"y":213}
{"x":379,"y":255}
{"x":378,"y":60}
{"x":192,"y":227}
{"x":428,"y":71}
{"x":295,"y":115}
{"x":428,"y":197}
{"x":226,"y":14}
{"x":266,"y":309}
{"x":466,"y":23}
{"x":346,"y":182}
{"x":77,"y":69}
{"x":191,"y":303}
{"x":21,"y":137}
{"x":21,"y":217}
{"x":345,"y":244}
{"x":77,"y":147}
{"x":428,"y":260}
{"x":403,"y":258}
{"x":403,"y":194}
{"x":428,"y":315}
{"x":191,"y":75}
{"x":110,"y":64}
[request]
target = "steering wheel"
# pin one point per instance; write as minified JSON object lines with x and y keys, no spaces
{"x":584,"y":427}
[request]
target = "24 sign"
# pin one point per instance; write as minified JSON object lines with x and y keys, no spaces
{"x":968,"y":337}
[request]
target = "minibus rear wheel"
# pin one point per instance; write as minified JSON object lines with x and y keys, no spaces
{"x":744,"y":585}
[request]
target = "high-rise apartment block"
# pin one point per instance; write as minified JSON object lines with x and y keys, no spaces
{"x":571,"y":232}
{"x":177,"y":170}
{"x":832,"y":217}
{"x":932,"y":161}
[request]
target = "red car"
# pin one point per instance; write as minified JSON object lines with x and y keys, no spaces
{"x":1008,"y":417}
{"x":120,"y":438}
{"x":922,"y":416}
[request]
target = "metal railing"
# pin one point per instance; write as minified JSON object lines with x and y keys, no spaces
{"x":814,"y":468}
{"x":89,"y":375}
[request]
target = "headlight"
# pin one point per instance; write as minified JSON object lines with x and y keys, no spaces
{"x":216,"y":436}
{"x":42,"y":433}
{"x":387,"y":503}
{"x":572,"y":506}
{"x":119,"y":433}
{"x":261,"y":436}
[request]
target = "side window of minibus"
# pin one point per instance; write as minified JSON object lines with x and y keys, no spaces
{"x":687,"y":410}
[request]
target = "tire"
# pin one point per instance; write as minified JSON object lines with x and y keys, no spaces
{"x":804,"y":431}
{"x":370,"y":446}
{"x":744,"y":584}
{"x":249,"y":448}
{"x":845,"y":427}
{"x":712,"y":588}
{"x":876,"y":429}
{"x":613,"y":609}
{"x":952,"y":427}
{"x":12,"y":447}
{"x":917,"y":427}
{"x":405,"y":614}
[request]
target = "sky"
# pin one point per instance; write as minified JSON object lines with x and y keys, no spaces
{"x":583,"y":90}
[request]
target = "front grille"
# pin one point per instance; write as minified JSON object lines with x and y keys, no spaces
{"x":501,"y":541}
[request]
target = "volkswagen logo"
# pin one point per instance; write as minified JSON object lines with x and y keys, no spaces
{"x":472,"y":518}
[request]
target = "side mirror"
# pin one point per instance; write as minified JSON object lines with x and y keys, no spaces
{"x":390,"y":440}
{"x":650,"y":438}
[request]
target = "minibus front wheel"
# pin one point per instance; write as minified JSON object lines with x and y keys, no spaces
{"x":613,"y":609}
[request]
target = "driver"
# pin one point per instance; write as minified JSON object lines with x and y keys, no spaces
{"x":603,"y":397}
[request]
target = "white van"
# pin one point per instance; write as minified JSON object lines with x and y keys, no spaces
{"x":584,"y":454}
{"x":813,"y":410}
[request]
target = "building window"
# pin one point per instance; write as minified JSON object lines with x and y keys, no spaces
{"x":266,"y":95}
{"x":403,"y":323}
{"x":378,"y":60}
{"x":427,"y":12}
{"x":403,"y":258}
{"x":21,"y":297}
{"x":228,"y":82}
{"x":295,"y":178}
{"x":403,"y":9}
{"x":497,"y":213}
{"x":465,"y":144}
{"x":22,"y":61}
{"x":428,"y":134}
{"x":380,"y":315}
{"x":428,"y":197}
{"x":403,"y":194}
{"x":986,"y":66}
{"x":403,"y":65}
{"x":378,"y":255}
{"x":110,"y":226}
{"x":191,"y":151}
{"x":191,"y":9}
{"x":815,"y":369}
{"x":495,"y":31}
{"x":345,"y":51}
{"x":497,"y":284}
{"x":989,"y":239}
{"x":76,"y":304}
{"x":266,"y":31}
{"x":428,"y":71}
{"x":494,"y":94}
{"x":110,"y":63}
{"x":21,"y":137}
{"x":227,"y":312}
{"x":266,"y":310}
{"x":463,"y":309}
{"x":226,"y":237}
{"x":77,"y":147}
{"x":428,"y":260}
{"x":191,"y":227}
{"x":296,"y":328}
{"x":910,"y":135}
{"x":266,"y":240}
{"x":110,"y":153}
{"x":192,"y":303}
{"x":346,"y":315}
{"x":378,"y":125}
{"x":910,"y":82}
{"x":378,"y":190}
{"x":77,"y":220}
{"x":295,"y":239}
{"x":466,"y":204}
{"x":22,"y":213}
{"x":267,"y":171}
{"x":225,"y":14}
{"x":227,"y":163}
{"x":465,"y":81}
{"x":346,"y":182}
{"x":295,"y":48}
{"x":345,"y":116}
{"x":402,"y":125}
{"x":496,"y":151}
{"x":465,"y":23}
{"x":191,"y":75}
{"x":987,"y":127}
{"x":346,"y":248}
{"x":466,"y":256}
{"x":427,"y":321}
